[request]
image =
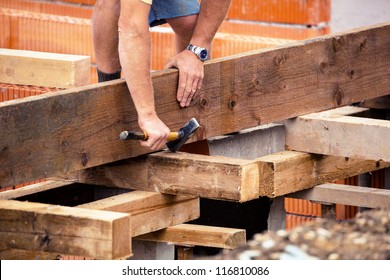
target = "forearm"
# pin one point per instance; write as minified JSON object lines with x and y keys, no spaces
{"x":134,"y":53}
{"x":211,"y":15}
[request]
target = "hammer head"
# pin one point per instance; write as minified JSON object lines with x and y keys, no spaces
{"x":184,"y":134}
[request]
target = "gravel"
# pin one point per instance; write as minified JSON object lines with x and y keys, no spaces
{"x":366,"y":237}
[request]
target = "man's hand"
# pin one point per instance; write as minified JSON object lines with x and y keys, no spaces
{"x":157,"y":132}
{"x":191,"y":73}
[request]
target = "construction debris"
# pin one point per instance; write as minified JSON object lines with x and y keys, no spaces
{"x":364,"y":238}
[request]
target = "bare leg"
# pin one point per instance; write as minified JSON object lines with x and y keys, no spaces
{"x":105,"y":35}
{"x":183,"y":28}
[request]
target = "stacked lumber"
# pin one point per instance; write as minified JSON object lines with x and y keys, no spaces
{"x":141,"y":212}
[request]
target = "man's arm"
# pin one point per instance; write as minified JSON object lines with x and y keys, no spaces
{"x":191,"y":71}
{"x":211,"y":15}
{"x":134,"y":53}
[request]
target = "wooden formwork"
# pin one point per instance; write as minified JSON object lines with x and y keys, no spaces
{"x":281,"y":88}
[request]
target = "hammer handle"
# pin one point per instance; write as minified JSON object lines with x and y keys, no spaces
{"x":129,"y":135}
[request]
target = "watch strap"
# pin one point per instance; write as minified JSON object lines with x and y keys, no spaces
{"x":197,"y":51}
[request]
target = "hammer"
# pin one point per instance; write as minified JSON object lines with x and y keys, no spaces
{"x":175,"y":139}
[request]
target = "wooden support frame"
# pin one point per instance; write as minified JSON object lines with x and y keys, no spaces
{"x":335,"y":133}
{"x":337,"y":70}
{"x":66,"y":230}
{"x":149,"y":212}
{"x":44,"y":69}
{"x":226,"y":178}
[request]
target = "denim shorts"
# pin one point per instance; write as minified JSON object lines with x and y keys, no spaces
{"x":163,"y":9}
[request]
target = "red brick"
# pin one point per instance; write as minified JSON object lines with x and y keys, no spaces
{"x":56,"y":8}
{"x":306,"y":12}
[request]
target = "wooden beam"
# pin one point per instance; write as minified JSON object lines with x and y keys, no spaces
{"x":198,"y":235}
{"x":44,"y":69}
{"x":150,"y":211}
{"x":180,"y":173}
{"x":288,"y":171}
{"x":33,"y":188}
{"x":334,"y":133}
{"x":347,"y":195}
{"x":65,"y":230}
{"x":78,"y":128}
{"x":15,"y":254}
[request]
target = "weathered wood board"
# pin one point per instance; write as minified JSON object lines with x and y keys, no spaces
{"x":346,"y":195}
{"x":44,"y":69}
{"x":66,"y":230}
{"x":180,"y":173}
{"x":150,"y":211}
{"x":335,"y":133}
{"x":78,"y":128}
{"x":289,"y":171}
{"x":198,"y":235}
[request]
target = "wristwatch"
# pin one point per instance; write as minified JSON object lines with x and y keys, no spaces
{"x":201,"y":53}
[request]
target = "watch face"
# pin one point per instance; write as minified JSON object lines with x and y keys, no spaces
{"x":203,"y":54}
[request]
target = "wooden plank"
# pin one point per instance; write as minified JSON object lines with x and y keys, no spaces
{"x":333,"y":133}
{"x":33,"y":188}
{"x":78,"y":128}
{"x":180,"y":173}
{"x":198,"y":235}
{"x":347,"y":195}
{"x":44,"y":69}
{"x":15,"y":254}
{"x":288,"y":171}
{"x":150,"y":211}
{"x":65,"y":230}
